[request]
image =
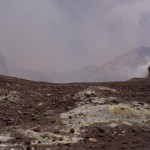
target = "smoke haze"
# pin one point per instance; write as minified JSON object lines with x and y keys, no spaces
{"x":66,"y":35}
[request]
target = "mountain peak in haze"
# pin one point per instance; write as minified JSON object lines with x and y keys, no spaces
{"x":133,"y":63}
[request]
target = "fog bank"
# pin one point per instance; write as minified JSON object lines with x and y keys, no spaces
{"x":66,"y":35}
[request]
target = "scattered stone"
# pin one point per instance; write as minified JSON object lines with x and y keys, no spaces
{"x":67,"y":144}
{"x":56,"y":131}
{"x":53,"y":140}
{"x":72,"y":130}
{"x":123,"y":108}
{"x":37,"y":129}
{"x":10,"y":122}
{"x":115,"y":101}
{"x":86,"y":137}
{"x":49,"y":95}
{"x":133,"y":130}
{"x":18,"y":138}
{"x":80,"y":114}
{"x":123,"y":132}
{"x":123,"y":147}
{"x":60,"y":139}
{"x":87,"y":95}
{"x":70,"y":117}
{"x":53,"y":121}
{"x":66,"y":108}
{"x":101,"y":130}
{"x":136,"y":141}
{"x":92,"y":140}
{"x":141,"y":103}
{"x":101,"y":135}
{"x":34,"y":118}
{"x":103,"y":146}
{"x":28,"y":148}
{"x":131,"y":146}
{"x":27,"y":142}
{"x":124,"y":142}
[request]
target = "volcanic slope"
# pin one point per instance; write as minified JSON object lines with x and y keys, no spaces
{"x":133,"y":63}
{"x":81,"y":116}
{"x":123,"y":67}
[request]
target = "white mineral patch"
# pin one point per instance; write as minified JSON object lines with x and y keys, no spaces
{"x":103,"y":100}
{"x":113,"y":125}
{"x":8,"y":146}
{"x":94,"y":94}
{"x":40,"y":104}
{"x":85,"y":93}
{"x":89,"y":114}
{"x":5,"y":137}
{"x":12,"y":96}
{"x":94,"y":90}
{"x":88,"y":92}
{"x":107,"y":89}
{"x":48,"y":138}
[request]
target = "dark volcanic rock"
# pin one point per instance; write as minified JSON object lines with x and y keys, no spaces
{"x":30,"y":117}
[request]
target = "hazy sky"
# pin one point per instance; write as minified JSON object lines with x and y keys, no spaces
{"x":62,"y":35}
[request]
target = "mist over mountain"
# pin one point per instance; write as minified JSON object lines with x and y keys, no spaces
{"x":133,"y":63}
{"x":68,"y":41}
